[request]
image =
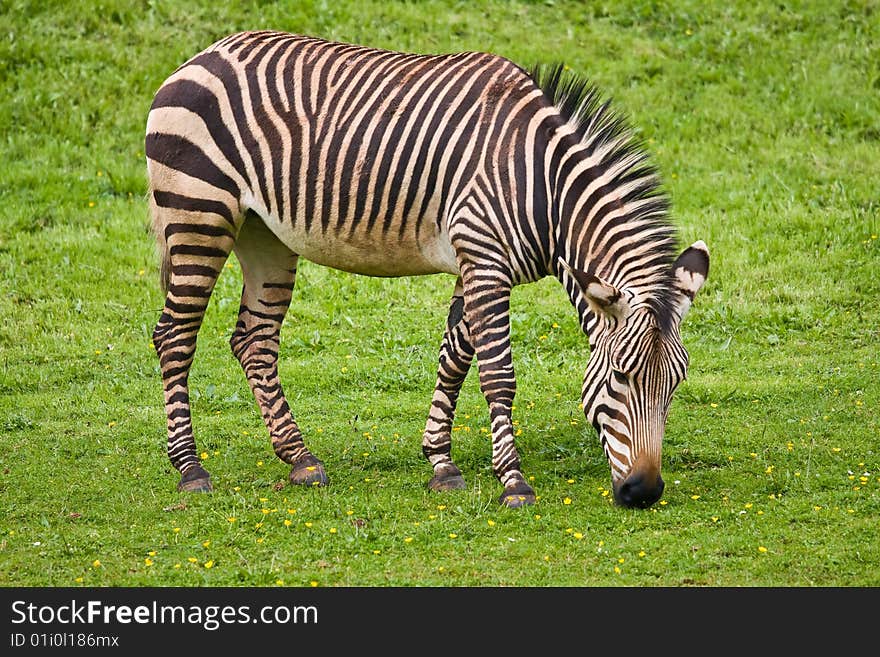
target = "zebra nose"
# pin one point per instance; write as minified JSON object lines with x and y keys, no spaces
{"x":639,"y":491}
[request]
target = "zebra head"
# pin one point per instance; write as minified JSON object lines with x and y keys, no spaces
{"x":636,"y":361}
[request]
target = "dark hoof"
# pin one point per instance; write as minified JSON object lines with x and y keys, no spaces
{"x":449,"y":478}
{"x":518,"y":495}
{"x":196,"y":480}
{"x":309,"y":472}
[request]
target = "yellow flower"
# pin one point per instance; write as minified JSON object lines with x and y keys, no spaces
{"x":192,"y":559}
{"x":333,"y":530}
{"x":78,"y":580}
{"x":209,"y":563}
{"x":204,"y":456}
{"x":761,"y":548}
{"x":453,"y":535}
{"x":279,"y":582}
{"x":152,"y":553}
{"x":578,"y":535}
{"x":308,"y":524}
{"x":567,"y":500}
{"x":96,"y":563}
{"x":695,"y":497}
{"x":313,"y":583}
{"x":175,"y":529}
{"x":617,"y":569}
{"x":642,"y":553}
{"x":490,"y":522}
{"x":231,"y":518}
{"x":206,"y":543}
{"x":408,"y":539}
{"x":287,"y":522}
{"x":148,"y":562}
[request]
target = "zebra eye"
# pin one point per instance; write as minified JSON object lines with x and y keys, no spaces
{"x":619,"y":376}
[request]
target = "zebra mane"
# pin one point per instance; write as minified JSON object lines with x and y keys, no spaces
{"x":601,"y":129}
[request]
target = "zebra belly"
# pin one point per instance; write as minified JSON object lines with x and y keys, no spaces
{"x":371,"y":253}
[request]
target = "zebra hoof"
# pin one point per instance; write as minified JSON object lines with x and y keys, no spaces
{"x":449,"y":478}
{"x":310,"y":472}
{"x":196,"y":480}
{"x":517,"y":496}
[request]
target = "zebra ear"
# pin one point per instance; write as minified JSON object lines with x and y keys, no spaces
{"x":690,"y":271}
{"x":603,"y":297}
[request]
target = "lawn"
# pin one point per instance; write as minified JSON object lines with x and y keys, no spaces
{"x":764,"y":122}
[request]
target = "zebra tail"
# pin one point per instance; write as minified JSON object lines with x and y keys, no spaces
{"x":158,"y":230}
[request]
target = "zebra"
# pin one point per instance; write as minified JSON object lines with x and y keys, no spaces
{"x":277,"y":146}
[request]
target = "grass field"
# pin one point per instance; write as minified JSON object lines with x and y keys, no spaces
{"x":765,"y":123}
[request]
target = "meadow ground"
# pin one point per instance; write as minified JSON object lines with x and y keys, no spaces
{"x":765,"y":124}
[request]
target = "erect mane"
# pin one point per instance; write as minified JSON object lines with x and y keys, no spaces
{"x":605,"y":133}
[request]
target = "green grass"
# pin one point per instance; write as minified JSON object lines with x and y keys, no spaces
{"x":765,"y":123}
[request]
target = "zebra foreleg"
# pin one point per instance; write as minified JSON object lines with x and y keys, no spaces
{"x":487,"y":308}
{"x":269,"y":271}
{"x":456,"y":354}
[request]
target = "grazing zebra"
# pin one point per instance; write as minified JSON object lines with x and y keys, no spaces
{"x":382,"y":163}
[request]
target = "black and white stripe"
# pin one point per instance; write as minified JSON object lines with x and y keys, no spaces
{"x":383,"y":163}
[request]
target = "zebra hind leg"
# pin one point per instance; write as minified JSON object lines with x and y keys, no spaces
{"x":456,"y":354}
{"x":269,"y":271}
{"x":196,"y":243}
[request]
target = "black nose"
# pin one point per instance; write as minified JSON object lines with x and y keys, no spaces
{"x":638,"y":491}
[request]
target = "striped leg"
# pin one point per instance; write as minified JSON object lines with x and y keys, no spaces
{"x":456,"y":354}
{"x":487,"y":307}
{"x":269,"y":271}
{"x":187,"y":226}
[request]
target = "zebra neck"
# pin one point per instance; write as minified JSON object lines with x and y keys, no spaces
{"x":612,"y":222}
